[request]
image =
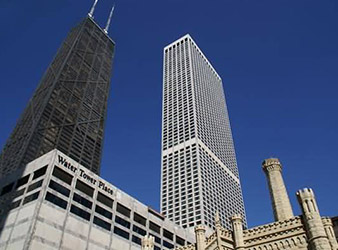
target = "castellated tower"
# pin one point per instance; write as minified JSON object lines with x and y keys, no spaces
{"x":200,"y":237}
{"x":148,"y":243}
{"x":279,"y":197}
{"x":237,"y":227}
{"x":308,"y":231}
{"x":328,"y":226}
{"x":317,"y":238}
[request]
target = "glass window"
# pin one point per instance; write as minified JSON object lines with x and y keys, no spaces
{"x":123,"y":210}
{"x":180,"y":241}
{"x":62,"y":175}
{"x":83,"y":201}
{"x":139,"y":230}
{"x":15,"y":204}
{"x":22,"y":181}
{"x":168,"y":245}
{"x":154,"y":227}
{"x":121,"y":233}
{"x":122,"y":222}
{"x":56,"y":200}
{"x":105,"y":199}
{"x":31,"y":197}
{"x":167,"y":234}
{"x":83,"y":187}
{"x":103,"y":212}
{"x":140,"y":219}
{"x":59,"y":188}
{"x":18,"y":193}
{"x":157,"y":239}
{"x":40,"y":172}
{"x":102,"y":223}
{"x":136,"y":240}
{"x":6,"y":189}
{"x":80,"y":212}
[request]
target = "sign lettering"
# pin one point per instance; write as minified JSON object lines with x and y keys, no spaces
{"x":101,"y":185}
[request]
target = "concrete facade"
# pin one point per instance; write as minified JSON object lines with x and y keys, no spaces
{"x":306,"y":231}
{"x":59,"y":204}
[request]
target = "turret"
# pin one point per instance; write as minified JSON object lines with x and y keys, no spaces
{"x":279,"y":197}
{"x":314,"y":227}
{"x":328,"y":227}
{"x":200,"y":237}
{"x":237,"y":227}
{"x":148,"y":243}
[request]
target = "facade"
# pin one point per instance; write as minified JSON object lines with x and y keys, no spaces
{"x":307,"y":231}
{"x":68,"y":108}
{"x":199,"y":169}
{"x":60,"y":204}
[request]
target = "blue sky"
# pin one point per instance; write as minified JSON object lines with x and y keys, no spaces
{"x":278,"y":61}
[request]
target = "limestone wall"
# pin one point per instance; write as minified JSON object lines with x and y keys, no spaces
{"x":288,"y":234}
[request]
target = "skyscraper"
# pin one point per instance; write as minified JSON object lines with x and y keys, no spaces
{"x":68,"y":108}
{"x":199,"y":168}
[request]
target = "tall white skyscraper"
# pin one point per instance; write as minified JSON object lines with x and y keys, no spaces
{"x":199,"y":168}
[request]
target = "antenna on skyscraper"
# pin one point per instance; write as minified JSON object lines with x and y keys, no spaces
{"x":109,"y":19}
{"x":91,"y":13}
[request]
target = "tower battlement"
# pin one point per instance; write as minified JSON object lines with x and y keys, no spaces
{"x":200,"y":228}
{"x":327,"y":221}
{"x":148,"y":242}
{"x":236,"y":217}
{"x":305,"y":193}
{"x":271,"y":164}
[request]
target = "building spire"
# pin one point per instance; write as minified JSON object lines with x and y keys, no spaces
{"x":91,"y":13}
{"x":109,"y":19}
{"x":217,"y":219}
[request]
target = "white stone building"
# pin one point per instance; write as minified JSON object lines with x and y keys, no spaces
{"x":58,"y":204}
{"x":306,"y":231}
{"x":199,"y":168}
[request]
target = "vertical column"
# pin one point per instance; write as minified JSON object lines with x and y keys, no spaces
{"x":237,"y":227}
{"x":328,"y":227}
{"x":218,"y":226}
{"x":312,"y":221}
{"x":148,"y":243}
{"x":200,"y":237}
{"x":279,"y":197}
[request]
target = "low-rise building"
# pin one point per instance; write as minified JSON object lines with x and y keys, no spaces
{"x":306,"y":231}
{"x":58,"y":204}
